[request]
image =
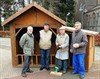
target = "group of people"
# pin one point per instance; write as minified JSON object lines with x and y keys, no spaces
{"x":45,"y":38}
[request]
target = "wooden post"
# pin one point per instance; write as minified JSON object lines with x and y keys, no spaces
{"x":13,"y":45}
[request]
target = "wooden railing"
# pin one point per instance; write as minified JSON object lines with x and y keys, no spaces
{"x":35,"y":62}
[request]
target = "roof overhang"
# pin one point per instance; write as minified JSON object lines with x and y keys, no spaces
{"x":88,"y":32}
{"x":27,"y":8}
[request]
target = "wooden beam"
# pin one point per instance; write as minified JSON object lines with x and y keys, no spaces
{"x":13,"y":45}
{"x":53,"y":31}
{"x":18,"y":31}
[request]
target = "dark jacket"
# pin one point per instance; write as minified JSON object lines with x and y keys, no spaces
{"x":81,"y":38}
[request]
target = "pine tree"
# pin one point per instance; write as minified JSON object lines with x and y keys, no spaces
{"x":64,"y":7}
{"x":71,"y":9}
{"x":5,"y":9}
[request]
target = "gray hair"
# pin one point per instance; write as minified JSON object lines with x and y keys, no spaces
{"x":77,"y":22}
{"x":29,"y":27}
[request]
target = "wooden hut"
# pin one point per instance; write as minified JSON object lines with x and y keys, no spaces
{"x":36,"y":16}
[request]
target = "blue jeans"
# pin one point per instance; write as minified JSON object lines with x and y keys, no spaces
{"x":62,"y":64}
{"x":78,"y":63}
{"x":45,"y":55}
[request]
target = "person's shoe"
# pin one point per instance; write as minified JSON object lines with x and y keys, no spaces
{"x":30,"y":71}
{"x":82,"y":76}
{"x":64,"y":72}
{"x":48,"y":69}
{"x":41,"y":68}
{"x":23,"y":75}
{"x":74,"y":72}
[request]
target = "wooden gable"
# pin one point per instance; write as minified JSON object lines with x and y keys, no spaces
{"x":33,"y":10}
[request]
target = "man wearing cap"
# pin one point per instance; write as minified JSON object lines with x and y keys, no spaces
{"x":78,"y":48}
{"x":27,"y":44}
{"x":62,"y":43}
{"x":45,"y":39}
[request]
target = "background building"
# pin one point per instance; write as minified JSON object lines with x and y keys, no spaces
{"x":92,"y":19}
{"x":90,"y":14}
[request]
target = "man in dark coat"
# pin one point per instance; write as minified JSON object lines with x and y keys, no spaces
{"x":78,"y":48}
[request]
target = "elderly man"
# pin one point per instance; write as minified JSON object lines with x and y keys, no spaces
{"x":62,"y":43}
{"x":27,"y":44}
{"x":78,"y":48}
{"x":45,"y":39}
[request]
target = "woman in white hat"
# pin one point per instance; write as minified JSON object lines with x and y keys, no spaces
{"x":62,"y":43}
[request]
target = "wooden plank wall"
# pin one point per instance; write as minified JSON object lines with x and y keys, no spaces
{"x":91,"y":51}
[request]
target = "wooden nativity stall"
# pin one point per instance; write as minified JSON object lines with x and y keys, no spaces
{"x":36,"y":16}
